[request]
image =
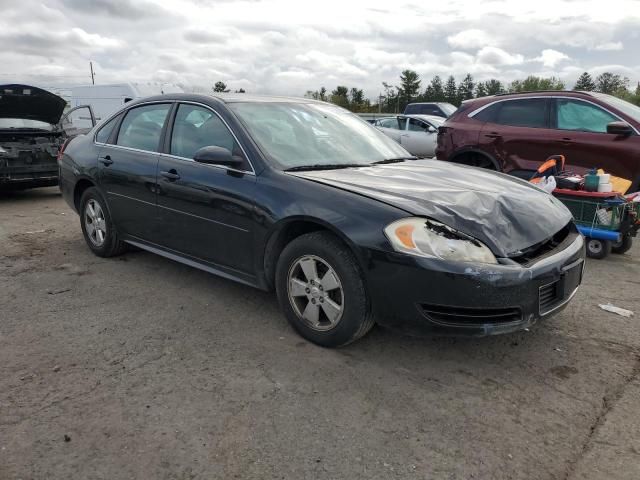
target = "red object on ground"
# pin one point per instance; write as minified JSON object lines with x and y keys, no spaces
{"x":584,"y":193}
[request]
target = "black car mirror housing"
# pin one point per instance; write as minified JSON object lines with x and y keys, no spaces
{"x":619,"y":128}
{"x":214,"y":155}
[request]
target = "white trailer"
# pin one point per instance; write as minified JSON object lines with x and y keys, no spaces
{"x":106,"y":99}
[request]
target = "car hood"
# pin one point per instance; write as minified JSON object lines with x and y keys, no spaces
{"x":505,"y":213}
{"x":25,"y":101}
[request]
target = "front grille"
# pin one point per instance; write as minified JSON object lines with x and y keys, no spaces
{"x":458,"y":316}
{"x":535,"y":252}
{"x":549,"y":297}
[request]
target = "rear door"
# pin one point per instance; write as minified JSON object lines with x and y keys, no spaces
{"x":127,"y":165}
{"x":517,"y":133}
{"x":583,"y":139}
{"x":206,"y":211}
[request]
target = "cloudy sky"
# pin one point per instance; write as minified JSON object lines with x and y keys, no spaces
{"x":290,"y":46}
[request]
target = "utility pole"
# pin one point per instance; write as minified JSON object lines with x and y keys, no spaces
{"x":93,"y":81}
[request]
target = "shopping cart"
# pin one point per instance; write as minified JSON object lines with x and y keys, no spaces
{"x":609,"y":221}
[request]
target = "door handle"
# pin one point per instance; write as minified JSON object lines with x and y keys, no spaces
{"x":405,"y":135}
{"x":493,"y":135}
{"x":106,"y":160}
{"x":171,"y":175}
{"x":566,"y":141}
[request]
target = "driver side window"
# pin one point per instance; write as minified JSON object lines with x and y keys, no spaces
{"x":582,"y":116}
{"x":417,"y":126}
{"x":196,"y":127}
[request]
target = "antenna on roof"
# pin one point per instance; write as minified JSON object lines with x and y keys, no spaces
{"x":93,"y":81}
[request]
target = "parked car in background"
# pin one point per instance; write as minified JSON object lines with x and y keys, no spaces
{"x":305,"y":197}
{"x":416,"y":133}
{"x":438,"y":109}
{"x":514,"y":133}
{"x":32,"y":130}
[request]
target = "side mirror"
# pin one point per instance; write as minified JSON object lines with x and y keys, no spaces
{"x":217,"y":156}
{"x":619,"y":128}
{"x":431,"y":130}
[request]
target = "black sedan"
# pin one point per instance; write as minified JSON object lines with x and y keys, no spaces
{"x":306,"y":198}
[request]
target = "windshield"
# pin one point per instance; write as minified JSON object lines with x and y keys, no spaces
{"x":625,"y":107}
{"x":447,"y":108}
{"x":309,"y":134}
{"x":24,"y":123}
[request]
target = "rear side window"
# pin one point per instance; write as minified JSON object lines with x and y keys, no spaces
{"x":105,"y":132}
{"x":518,"y":113}
{"x":583,"y":116}
{"x":142,"y":127}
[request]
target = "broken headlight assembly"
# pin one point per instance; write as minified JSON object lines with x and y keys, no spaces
{"x":427,"y":238}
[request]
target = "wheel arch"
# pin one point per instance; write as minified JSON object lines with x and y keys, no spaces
{"x":460,"y":154}
{"x":80,"y":187}
{"x":286,"y":230}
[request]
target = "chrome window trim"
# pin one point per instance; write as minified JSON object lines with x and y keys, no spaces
{"x":251,"y":172}
{"x":563,"y":97}
{"x":170,"y":102}
{"x":221,"y":167}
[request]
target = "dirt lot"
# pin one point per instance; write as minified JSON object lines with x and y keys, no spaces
{"x":138,"y":367}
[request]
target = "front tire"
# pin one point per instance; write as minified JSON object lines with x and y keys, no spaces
{"x":97,"y":227}
{"x":321,"y":290}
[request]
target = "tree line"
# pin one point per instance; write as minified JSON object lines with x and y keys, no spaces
{"x":394,"y":98}
{"x":410,"y":88}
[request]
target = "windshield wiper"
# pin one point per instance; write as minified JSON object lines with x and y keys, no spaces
{"x":393,"y":160}
{"x":324,"y":166}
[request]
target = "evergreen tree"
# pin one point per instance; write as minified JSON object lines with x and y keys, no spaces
{"x":481,"y":90}
{"x":585,"y":82}
{"x":465,"y":89}
{"x":451,"y":91}
{"x":435,"y":91}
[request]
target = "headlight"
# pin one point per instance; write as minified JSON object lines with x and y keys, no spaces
{"x":426,"y":238}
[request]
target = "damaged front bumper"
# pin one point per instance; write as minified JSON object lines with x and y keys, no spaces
{"x":415,"y":294}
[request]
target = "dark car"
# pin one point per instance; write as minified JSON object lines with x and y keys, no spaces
{"x":307,"y":198}
{"x":516,"y":133}
{"x":439,"y":109}
{"x":32,"y":130}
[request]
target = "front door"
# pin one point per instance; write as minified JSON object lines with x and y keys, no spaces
{"x":419,"y":138}
{"x":206,"y":211}
{"x":583,"y":139}
{"x":128,"y":162}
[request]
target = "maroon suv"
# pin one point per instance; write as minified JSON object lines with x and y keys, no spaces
{"x":514,"y":133}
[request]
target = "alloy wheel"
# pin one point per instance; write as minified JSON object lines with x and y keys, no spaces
{"x":315,"y":292}
{"x":95,"y":223}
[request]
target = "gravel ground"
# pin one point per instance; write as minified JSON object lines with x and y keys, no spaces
{"x":139,"y":367}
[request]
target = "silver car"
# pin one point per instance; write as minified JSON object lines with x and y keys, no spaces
{"x":416,"y":133}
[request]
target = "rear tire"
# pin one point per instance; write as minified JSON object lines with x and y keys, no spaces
{"x":598,"y":249}
{"x":97,"y":227}
{"x":623,"y":245}
{"x":321,"y":290}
